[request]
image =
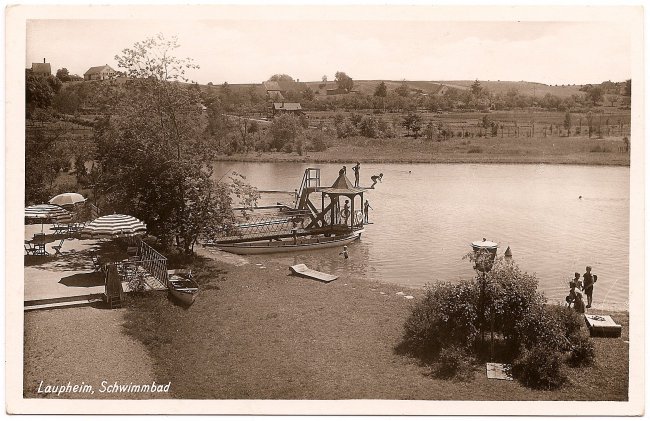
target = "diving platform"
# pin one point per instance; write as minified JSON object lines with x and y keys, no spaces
{"x":317,"y":210}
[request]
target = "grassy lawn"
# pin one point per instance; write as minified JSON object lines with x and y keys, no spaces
{"x":258,"y":333}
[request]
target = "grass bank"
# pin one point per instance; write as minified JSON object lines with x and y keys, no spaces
{"x":547,"y":150}
{"x":258,"y":333}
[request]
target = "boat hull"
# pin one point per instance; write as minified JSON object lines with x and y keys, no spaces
{"x":182,"y":287}
{"x":287,"y":246}
{"x":186,"y":298}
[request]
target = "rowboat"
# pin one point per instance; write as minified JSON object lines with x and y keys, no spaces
{"x":182,"y":286}
{"x":283,"y":246}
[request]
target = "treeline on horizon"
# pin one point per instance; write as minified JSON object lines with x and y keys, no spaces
{"x":81,"y":97}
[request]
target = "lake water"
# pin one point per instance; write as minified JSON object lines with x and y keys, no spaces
{"x":426,"y":215}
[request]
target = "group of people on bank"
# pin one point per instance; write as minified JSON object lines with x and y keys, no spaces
{"x":578,"y":287}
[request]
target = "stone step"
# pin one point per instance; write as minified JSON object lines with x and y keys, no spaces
{"x":64,"y":304}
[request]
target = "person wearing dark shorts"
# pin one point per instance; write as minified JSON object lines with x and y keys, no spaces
{"x":588,"y":285}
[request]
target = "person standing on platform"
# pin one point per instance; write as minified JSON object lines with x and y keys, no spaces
{"x":366,"y":207}
{"x":356,"y":169}
{"x":345,"y":213}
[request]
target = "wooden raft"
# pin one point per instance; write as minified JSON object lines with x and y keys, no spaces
{"x":601,"y":325}
{"x":304,"y":271}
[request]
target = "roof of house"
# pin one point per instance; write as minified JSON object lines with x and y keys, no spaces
{"x":41,"y":68}
{"x":342,"y":186}
{"x":287,"y":106}
{"x":97,"y":69}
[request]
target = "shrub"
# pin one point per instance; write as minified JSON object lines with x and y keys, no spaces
{"x":475,"y":149}
{"x":539,"y":367}
{"x":600,"y":149}
{"x":369,"y":127}
{"x":284,"y":130}
{"x":319,"y":142}
{"x":454,"y":363}
{"x":570,"y":321}
{"x":346,"y":129}
{"x":583,"y":352}
{"x":446,"y":315}
{"x":539,"y":327}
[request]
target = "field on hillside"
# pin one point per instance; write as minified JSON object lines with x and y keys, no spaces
{"x":518,"y":123}
{"x":527,"y":88}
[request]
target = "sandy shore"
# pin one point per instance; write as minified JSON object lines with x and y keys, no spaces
{"x":83,"y":345}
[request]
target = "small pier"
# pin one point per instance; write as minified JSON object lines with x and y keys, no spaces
{"x":316,"y":210}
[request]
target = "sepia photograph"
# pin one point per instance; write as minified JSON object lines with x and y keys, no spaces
{"x":325,"y":210}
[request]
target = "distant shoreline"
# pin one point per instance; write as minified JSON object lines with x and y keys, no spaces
{"x":451,"y":160}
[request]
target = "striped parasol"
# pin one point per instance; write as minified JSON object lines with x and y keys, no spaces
{"x":47,"y":212}
{"x":114,"y":226}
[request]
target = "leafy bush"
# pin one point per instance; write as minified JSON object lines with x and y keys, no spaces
{"x":475,"y":149}
{"x":540,"y":367}
{"x":600,"y":149}
{"x":455,"y":363}
{"x":446,"y":316}
{"x":318,"y":142}
{"x":369,"y":127}
{"x":583,"y":352}
{"x":345,"y":129}
{"x":539,"y":327}
{"x":569,"y":320}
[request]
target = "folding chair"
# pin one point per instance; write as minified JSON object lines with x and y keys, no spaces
{"x":57,"y":249}
{"x":30,"y":249}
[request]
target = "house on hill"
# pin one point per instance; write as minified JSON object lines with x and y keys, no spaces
{"x":100,"y":73}
{"x":41,"y":69}
{"x":280,"y":108}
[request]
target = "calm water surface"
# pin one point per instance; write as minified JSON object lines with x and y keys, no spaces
{"x":426,"y":215}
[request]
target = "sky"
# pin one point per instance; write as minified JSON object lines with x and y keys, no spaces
{"x":250,"y":51}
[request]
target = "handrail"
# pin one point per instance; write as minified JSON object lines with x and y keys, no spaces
{"x":153,"y":262}
{"x":307,"y":179}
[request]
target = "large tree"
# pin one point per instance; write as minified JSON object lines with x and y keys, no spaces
{"x":155,"y":162}
{"x":343,"y":81}
{"x":63,"y":75}
{"x":281,"y":77}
